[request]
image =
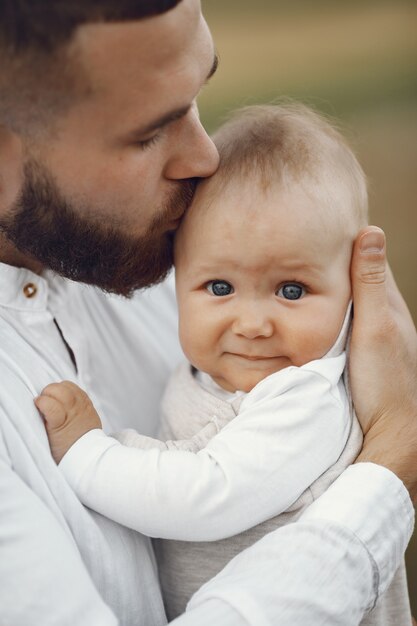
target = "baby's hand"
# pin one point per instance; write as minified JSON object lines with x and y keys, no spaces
{"x":69,"y":414}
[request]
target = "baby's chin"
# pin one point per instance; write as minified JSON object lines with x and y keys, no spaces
{"x":248,"y":379}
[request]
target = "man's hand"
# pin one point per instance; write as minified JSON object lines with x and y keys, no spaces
{"x":383,"y":362}
{"x":68,"y":413}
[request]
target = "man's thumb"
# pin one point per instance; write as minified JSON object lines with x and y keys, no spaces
{"x":368,"y":272}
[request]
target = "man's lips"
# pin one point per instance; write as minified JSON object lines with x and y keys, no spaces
{"x":174,"y":223}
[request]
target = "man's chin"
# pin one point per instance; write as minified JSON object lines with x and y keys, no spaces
{"x":116,"y":265}
{"x":128,"y":278}
{"x":55,"y":232}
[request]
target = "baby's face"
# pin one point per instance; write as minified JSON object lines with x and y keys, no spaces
{"x":262,"y":282}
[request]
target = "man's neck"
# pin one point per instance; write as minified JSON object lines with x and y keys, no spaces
{"x":10,"y":255}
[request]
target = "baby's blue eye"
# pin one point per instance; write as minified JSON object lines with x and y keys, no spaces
{"x":219,"y":288}
{"x":291,"y":291}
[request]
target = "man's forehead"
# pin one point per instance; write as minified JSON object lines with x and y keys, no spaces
{"x":135,"y":46}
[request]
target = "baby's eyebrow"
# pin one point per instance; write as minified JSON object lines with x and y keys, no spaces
{"x":300,"y":266}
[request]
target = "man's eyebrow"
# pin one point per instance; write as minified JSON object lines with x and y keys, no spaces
{"x":171,"y":116}
{"x":213,"y":68}
{"x":162,"y":121}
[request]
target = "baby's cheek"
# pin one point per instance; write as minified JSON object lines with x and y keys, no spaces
{"x":316,"y":346}
{"x":194,"y":346}
{"x":318,"y":339}
{"x":186,"y":333}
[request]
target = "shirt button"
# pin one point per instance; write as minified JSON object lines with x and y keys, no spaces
{"x":30,"y":290}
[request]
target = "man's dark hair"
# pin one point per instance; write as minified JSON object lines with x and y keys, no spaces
{"x":42,"y":25}
{"x":34,"y":36}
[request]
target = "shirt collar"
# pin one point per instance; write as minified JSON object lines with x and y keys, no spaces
{"x":21,"y":289}
{"x":342,"y":341}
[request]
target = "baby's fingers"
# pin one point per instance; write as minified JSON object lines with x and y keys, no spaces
{"x":66,"y":392}
{"x":52,"y":410}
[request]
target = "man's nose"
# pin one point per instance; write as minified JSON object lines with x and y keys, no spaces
{"x":252,"y":323}
{"x":194,"y":155}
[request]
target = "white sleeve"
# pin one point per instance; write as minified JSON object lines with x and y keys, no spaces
{"x":329,"y":567}
{"x":199,"y":440}
{"x":256,"y":467}
{"x":43,"y":579}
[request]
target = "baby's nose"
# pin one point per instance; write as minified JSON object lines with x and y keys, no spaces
{"x":253,"y":324}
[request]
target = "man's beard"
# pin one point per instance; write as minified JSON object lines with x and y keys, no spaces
{"x":46,"y":226}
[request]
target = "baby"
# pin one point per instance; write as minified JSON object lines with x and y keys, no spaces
{"x":259,"y":422}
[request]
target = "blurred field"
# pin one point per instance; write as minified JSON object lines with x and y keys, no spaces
{"x":354,"y":60}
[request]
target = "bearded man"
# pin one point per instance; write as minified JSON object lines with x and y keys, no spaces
{"x":100,"y":149}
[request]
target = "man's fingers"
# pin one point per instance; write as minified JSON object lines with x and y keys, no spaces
{"x":52,"y":410}
{"x":369,"y":275}
{"x":395,"y":299}
{"x":373,"y":283}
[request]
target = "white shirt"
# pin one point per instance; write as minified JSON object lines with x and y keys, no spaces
{"x":62,"y":564}
{"x":291,"y":428}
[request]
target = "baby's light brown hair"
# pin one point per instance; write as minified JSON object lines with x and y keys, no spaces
{"x":290,"y":144}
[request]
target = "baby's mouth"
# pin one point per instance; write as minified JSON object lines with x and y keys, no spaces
{"x":257,"y":357}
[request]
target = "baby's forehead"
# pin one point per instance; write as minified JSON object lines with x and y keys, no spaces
{"x":241,"y":224}
{"x":264,"y":148}
{"x":249,"y":202}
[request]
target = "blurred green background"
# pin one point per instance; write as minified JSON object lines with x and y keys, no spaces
{"x":354,"y":60}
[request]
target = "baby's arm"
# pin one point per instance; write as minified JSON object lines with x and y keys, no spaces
{"x":133,"y":439}
{"x":287,"y":435}
{"x":69,"y":414}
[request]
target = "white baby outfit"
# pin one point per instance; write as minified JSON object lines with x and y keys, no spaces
{"x":229,"y":471}
{"x":185,"y":566}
